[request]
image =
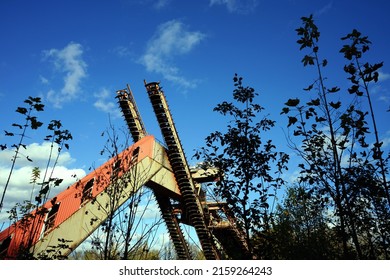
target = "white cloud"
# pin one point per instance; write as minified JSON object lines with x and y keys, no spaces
{"x":38,"y":153}
{"x":148,"y":209}
{"x":19,"y":187}
{"x":69,"y":61}
{"x":237,"y":6}
{"x":122,"y":51}
{"x":386,"y":140}
{"x":44,"y":80}
{"x":324,"y":9}
{"x":104,"y":104}
{"x":170,"y":39}
{"x":384,"y":98}
{"x":161,"y":4}
{"x":383,"y":76}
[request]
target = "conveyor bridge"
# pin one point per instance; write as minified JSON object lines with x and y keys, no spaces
{"x":76,"y":212}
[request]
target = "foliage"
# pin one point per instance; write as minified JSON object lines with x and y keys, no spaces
{"x":338,"y":163}
{"x":361,"y":76}
{"x":31,"y":121}
{"x":339,"y":208}
{"x":143,"y":253}
{"x":301,"y":229}
{"x":167,"y":252}
{"x":246,"y":161}
{"x":30,"y":212}
{"x":123,"y":235}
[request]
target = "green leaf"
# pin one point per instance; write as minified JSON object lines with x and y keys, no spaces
{"x":353,"y":89}
{"x":314,"y":102}
{"x":347,"y":51}
{"x":57,"y":182}
{"x":34,"y":123}
{"x":291,"y":121}
{"x":21,"y":110}
{"x":29,"y":101}
{"x":300,"y":31}
{"x":297,"y":132}
{"x":309,"y":87}
{"x":334,"y":89}
{"x":320,"y":119}
{"x":307,"y":59}
{"x":285,"y":110}
{"x":335,"y":105}
{"x":8,"y":133}
{"x":39,"y":107}
{"x":292,"y":102}
{"x":17,"y":125}
{"x":308,"y":114}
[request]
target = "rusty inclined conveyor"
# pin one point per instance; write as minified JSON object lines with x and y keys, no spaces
{"x":76,"y":212}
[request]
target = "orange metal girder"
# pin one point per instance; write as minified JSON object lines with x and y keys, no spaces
{"x":144,"y":154}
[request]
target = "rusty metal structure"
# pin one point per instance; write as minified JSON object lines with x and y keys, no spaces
{"x":76,"y":212}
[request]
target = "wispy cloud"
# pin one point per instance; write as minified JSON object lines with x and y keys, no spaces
{"x":386,"y":140}
{"x":44,"y":80}
{"x":383,"y":76}
{"x":19,"y":188}
{"x":324,"y":9}
{"x":380,"y":89}
{"x":384,"y":98}
{"x":237,"y":6}
{"x":70,"y":62}
{"x":122,"y":51}
{"x":171,"y":39}
{"x":104,"y":104}
{"x":155,"y":4}
{"x":160,"y":4}
{"x":38,"y":153}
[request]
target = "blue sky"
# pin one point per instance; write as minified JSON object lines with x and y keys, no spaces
{"x":76,"y":54}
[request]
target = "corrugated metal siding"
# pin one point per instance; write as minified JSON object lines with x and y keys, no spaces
{"x":70,"y":199}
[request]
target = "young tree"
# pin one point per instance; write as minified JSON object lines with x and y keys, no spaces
{"x":336,"y":161}
{"x":31,"y":121}
{"x":124,"y":235}
{"x":250,"y":168}
{"x":31,"y":213}
{"x":361,"y":76}
{"x":301,"y":228}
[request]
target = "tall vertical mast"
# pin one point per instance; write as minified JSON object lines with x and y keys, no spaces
{"x":131,"y":114}
{"x":181,"y":169}
{"x":137,"y":129}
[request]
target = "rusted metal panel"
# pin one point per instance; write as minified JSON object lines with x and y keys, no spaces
{"x":75,"y":208}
